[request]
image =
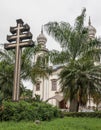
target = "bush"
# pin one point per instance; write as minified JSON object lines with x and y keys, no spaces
{"x":23,"y":110}
{"x":83,"y":114}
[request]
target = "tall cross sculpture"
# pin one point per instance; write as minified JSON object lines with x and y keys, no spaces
{"x":21,"y":37}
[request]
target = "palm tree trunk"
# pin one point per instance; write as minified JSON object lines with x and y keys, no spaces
{"x":74,"y":105}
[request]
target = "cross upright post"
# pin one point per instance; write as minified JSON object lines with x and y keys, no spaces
{"x":21,"y":38}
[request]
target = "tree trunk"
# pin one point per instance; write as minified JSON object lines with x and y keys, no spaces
{"x":74,"y":105}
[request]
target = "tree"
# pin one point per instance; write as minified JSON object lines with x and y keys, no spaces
{"x":26,"y":93}
{"x":6,"y":73}
{"x":7,"y":59}
{"x":29,"y":69}
{"x":79,"y":76}
{"x":79,"y":80}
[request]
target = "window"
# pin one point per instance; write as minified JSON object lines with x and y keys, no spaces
{"x":54,"y":84}
{"x":38,"y":86}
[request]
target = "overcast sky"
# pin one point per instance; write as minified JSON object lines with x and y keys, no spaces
{"x":38,"y":12}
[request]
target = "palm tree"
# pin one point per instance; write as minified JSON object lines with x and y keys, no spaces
{"x":79,"y":76}
{"x":29,"y":69}
{"x":6,"y":73}
{"x":7,"y":59}
{"x":80,"y":79}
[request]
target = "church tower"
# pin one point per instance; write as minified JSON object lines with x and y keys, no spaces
{"x":91,"y":30}
{"x":41,"y":41}
{"x":40,"y":88}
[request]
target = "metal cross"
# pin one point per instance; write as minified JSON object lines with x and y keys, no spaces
{"x":21,"y":38}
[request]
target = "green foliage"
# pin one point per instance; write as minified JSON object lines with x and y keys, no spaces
{"x":79,"y":78}
{"x":7,"y":61}
{"x":83,"y":114}
{"x":23,"y":110}
{"x":26,"y":93}
{"x":37,"y":98}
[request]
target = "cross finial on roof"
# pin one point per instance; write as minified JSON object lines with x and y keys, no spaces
{"x":42,"y":29}
{"x":89,"y":23}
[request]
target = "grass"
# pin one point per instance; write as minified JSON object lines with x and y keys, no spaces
{"x":67,"y":123}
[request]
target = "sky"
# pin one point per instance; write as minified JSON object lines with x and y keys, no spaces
{"x":39,"y":12}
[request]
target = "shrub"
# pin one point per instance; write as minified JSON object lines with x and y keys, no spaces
{"x":23,"y":110}
{"x":83,"y":114}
